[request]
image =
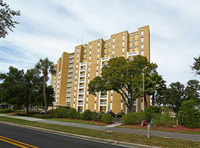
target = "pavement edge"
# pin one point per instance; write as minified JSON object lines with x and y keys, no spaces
{"x":81,"y":136}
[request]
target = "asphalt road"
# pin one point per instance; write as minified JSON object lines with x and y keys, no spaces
{"x":14,"y":137}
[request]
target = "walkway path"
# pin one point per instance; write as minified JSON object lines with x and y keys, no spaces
{"x":113,"y":129}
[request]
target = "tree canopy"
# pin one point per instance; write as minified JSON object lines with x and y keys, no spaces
{"x":196,"y":65}
{"x":123,"y":75}
{"x":45,"y":67}
{"x":23,"y":89}
{"x":6,"y":19}
{"x":176,"y":93}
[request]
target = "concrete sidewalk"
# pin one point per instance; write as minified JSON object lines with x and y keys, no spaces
{"x":113,"y":129}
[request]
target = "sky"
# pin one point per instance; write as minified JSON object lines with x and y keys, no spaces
{"x":47,"y":28}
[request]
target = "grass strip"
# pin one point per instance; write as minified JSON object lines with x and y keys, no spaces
{"x":74,"y":121}
{"x":184,"y":132}
{"x":132,"y":138}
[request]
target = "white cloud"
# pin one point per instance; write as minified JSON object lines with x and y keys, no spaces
{"x":47,"y":28}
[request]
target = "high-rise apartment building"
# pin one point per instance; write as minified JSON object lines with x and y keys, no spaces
{"x":76,"y":70}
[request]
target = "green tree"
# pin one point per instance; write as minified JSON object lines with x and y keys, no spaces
{"x":31,"y":83}
{"x":196,"y":65}
{"x":192,"y":91}
{"x":45,"y":67}
{"x":121,"y":75}
{"x":39,"y":99}
{"x":19,"y":88}
{"x":6,"y":19}
{"x":154,"y":84}
{"x":188,"y":115}
{"x":174,"y":96}
{"x":11,"y":90}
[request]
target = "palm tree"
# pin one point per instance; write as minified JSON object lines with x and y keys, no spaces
{"x":45,"y":66}
{"x":153,"y":84}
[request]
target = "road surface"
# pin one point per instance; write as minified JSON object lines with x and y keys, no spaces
{"x":14,"y":137}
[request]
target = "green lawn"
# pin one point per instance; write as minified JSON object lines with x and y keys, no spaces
{"x":134,"y":138}
{"x":74,"y":121}
{"x":186,"y":132}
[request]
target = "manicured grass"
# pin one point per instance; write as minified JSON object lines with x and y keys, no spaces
{"x":134,"y":138}
{"x":185,"y":132}
{"x":76,"y":121}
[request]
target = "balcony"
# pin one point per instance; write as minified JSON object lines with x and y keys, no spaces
{"x":68,"y":103}
{"x":82,"y":80}
{"x":84,"y":63}
{"x":81,"y":92}
{"x":104,"y":64}
{"x":68,"y":95}
{"x":103,"y":96}
{"x":80,"y":97}
{"x":104,"y":59}
{"x":80,"y":103}
{"x":69,"y":85}
{"x":81,"y":86}
{"x":82,"y":75}
{"x":103,"y":103}
{"x":82,"y":69}
{"x":133,"y":53}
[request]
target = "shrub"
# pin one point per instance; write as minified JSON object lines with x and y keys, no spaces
{"x":5,"y":110}
{"x":189,"y":116}
{"x":150,"y":112}
{"x":72,"y":114}
{"x":87,"y":115}
{"x":96,"y":116}
{"x":60,"y":112}
{"x":163,"y":120}
{"x":129,"y":119}
{"x":106,"y":118}
{"x":139,"y":117}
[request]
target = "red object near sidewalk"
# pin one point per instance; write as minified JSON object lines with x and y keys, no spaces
{"x":144,"y":122}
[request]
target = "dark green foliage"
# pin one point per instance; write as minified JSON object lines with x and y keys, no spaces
{"x":6,"y":17}
{"x":129,"y":119}
{"x":73,"y":114}
{"x":106,"y":118}
{"x":177,"y":93}
{"x":196,"y":65}
{"x":189,"y":116}
{"x":150,"y":112}
{"x":163,"y":120}
{"x":96,"y":116}
{"x":23,"y":89}
{"x":5,"y":110}
{"x":139,"y":117}
{"x":87,"y":115}
{"x":60,"y":112}
{"x":121,"y":74}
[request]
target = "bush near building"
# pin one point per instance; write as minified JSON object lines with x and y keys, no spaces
{"x":106,"y":118}
{"x":152,"y":113}
{"x":189,"y":116}
{"x":5,"y":110}
{"x":163,"y":120}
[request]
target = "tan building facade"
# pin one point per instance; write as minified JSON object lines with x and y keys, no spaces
{"x":71,"y":82}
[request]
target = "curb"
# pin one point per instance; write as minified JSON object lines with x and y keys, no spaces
{"x":114,"y":142}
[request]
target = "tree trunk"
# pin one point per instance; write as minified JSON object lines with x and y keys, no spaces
{"x":27,"y":109}
{"x":130,"y":107}
{"x":44,"y":93}
{"x":153,"y":99}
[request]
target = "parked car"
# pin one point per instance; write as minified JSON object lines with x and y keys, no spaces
{"x":120,"y":114}
{"x":43,"y":111}
{"x":110,"y":113}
